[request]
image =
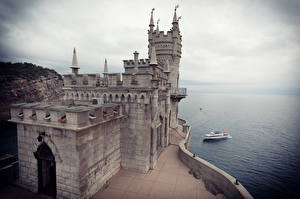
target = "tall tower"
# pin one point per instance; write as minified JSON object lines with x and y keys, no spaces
{"x":75,"y":67}
{"x":168,"y":47}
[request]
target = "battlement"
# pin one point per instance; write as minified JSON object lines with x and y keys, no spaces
{"x":64,"y":114}
{"x":163,"y":34}
{"x":141,"y":63}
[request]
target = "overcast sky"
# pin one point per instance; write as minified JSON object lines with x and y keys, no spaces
{"x":228,"y":46}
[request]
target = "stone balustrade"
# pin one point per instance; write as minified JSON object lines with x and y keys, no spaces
{"x":215,"y":179}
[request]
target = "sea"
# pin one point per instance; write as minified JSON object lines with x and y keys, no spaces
{"x":264,"y":151}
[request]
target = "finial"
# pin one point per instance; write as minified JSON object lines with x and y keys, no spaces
{"x":105,"y":67}
{"x":175,"y":16}
{"x":151,"y":19}
{"x":157,"y":28}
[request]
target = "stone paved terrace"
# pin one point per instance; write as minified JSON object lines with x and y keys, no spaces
{"x":170,"y":179}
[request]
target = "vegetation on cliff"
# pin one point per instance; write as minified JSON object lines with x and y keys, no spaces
{"x":11,"y":71}
{"x":26,"y":82}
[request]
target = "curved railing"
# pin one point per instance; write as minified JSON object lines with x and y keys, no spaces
{"x":216,"y":180}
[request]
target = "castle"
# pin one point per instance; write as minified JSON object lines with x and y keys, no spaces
{"x":71,"y":148}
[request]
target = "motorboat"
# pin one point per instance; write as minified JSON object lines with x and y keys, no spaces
{"x":216,"y":135}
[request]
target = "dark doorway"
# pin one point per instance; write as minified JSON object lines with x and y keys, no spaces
{"x":46,"y":170}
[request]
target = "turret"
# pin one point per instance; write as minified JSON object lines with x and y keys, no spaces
{"x":151,"y":25}
{"x":175,"y":20}
{"x":136,"y":61}
{"x":157,"y":27}
{"x":150,"y":31}
{"x":105,"y":67}
{"x":74,"y":66}
{"x":153,"y":61}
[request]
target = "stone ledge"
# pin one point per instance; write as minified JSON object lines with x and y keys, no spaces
{"x":216,"y":180}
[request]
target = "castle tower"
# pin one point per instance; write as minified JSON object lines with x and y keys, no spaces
{"x":168,"y":47}
{"x":74,"y":66}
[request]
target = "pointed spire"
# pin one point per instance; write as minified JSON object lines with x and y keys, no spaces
{"x":105,"y":67}
{"x":157,"y":27}
{"x":175,"y":20}
{"x":153,"y":60}
{"x":74,"y":66}
{"x":151,"y":19}
{"x":74,"y":61}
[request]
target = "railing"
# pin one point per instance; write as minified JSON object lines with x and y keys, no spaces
{"x":178,"y":91}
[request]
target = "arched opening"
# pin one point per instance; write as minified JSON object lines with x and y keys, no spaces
{"x":142,"y":99}
{"x":46,"y":170}
{"x":110,"y":98}
{"x":135,"y":98}
{"x":129,"y":98}
{"x":104,"y":99}
{"x":87,"y":96}
{"x":117,"y":98}
{"x":122,"y":98}
{"x":94,"y":101}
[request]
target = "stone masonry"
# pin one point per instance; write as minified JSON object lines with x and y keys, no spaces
{"x":71,"y":148}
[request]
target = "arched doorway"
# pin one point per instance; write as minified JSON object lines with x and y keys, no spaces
{"x":46,"y":170}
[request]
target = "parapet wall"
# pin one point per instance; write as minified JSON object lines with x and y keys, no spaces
{"x":215,"y":179}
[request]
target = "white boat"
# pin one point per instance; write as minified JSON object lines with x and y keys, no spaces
{"x":214,"y":135}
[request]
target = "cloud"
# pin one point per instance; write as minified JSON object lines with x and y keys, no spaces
{"x":226,"y":44}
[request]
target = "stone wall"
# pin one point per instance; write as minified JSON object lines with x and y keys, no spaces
{"x":135,"y":137}
{"x":216,"y":180}
{"x":62,"y":144}
{"x":99,"y":156}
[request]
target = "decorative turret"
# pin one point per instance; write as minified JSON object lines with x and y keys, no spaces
{"x":175,"y":20}
{"x":105,"y":67}
{"x":153,"y":60}
{"x":175,"y":16}
{"x":136,"y":61}
{"x":157,"y":27}
{"x":151,"y":25}
{"x":74,"y":66}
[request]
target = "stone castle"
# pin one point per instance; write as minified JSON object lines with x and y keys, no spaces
{"x":72,"y":148}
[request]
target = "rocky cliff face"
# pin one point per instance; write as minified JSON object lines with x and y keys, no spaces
{"x":25,"y":82}
{"x":23,"y":90}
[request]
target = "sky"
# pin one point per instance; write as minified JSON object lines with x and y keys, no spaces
{"x":234,"y":46}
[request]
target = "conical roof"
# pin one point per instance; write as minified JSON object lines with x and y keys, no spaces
{"x":105,"y":67}
{"x":74,"y":60}
{"x":151,"y":19}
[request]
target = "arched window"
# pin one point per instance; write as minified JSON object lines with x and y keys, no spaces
{"x":104,"y":98}
{"x":122,"y":98}
{"x":142,"y":99}
{"x":129,"y":98}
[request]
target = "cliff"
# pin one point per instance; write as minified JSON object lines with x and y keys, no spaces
{"x":26,"y":82}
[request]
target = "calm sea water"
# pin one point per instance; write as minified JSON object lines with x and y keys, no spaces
{"x":264,"y":151}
